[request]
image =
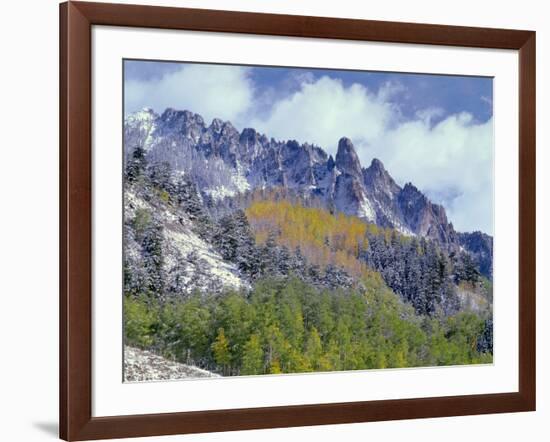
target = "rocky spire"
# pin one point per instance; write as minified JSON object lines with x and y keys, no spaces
{"x":347,"y":160}
{"x":378,"y":180}
{"x":377,"y":166}
{"x":330,"y":163}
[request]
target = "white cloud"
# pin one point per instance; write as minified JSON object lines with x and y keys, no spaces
{"x":453,"y":157}
{"x":213,"y":91}
{"x":323,"y":111}
{"x":428,"y":114}
{"x":390,"y":89}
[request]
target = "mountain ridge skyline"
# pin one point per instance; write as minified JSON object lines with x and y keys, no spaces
{"x":219,"y":125}
{"x":435,"y":131}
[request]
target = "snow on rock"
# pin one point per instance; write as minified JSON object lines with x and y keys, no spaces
{"x":181,"y":242}
{"x":220,"y":192}
{"x":226,"y":163}
{"x":140,"y":128}
{"x":240,"y":181}
{"x":142,"y":365}
{"x":188,"y":242}
{"x":238,"y":184}
{"x":366,"y":211}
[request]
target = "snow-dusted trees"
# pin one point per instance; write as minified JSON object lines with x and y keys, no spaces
{"x":415,"y":269}
{"x":136,"y":164}
{"x":135,"y":275}
{"x":297,"y":263}
{"x":234,"y":240}
{"x":161,"y":176}
{"x":485,"y":341}
{"x":189,"y":199}
{"x":269,"y":255}
{"x":465,"y":268}
{"x":143,"y":258}
{"x":177,"y":277}
{"x":246,"y":256}
{"x":153,"y":260}
{"x":336,"y":277}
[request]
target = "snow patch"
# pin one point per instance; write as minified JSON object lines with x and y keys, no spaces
{"x":188,"y":242}
{"x":240,"y":182}
{"x":143,"y":365}
{"x":220,"y":192}
{"x":365,"y":210}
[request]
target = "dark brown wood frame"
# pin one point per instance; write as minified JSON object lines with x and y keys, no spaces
{"x":76,"y":21}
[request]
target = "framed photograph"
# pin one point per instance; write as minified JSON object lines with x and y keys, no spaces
{"x":274,"y":220}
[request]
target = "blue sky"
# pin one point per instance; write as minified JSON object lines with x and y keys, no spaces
{"x":432,"y":130}
{"x":452,"y":94}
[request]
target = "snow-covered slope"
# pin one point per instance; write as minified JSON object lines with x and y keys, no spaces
{"x":184,"y":252}
{"x":142,"y":365}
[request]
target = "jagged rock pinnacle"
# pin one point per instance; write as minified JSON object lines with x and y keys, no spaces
{"x":347,"y":160}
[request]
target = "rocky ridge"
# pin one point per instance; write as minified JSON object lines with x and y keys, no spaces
{"x":225,"y":162}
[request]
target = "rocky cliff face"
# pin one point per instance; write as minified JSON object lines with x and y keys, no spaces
{"x":225,"y":162}
{"x":350,"y":195}
{"x":384,"y":193}
{"x":423,"y":217}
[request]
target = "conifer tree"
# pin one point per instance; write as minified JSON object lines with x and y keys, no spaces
{"x":252,"y":360}
{"x":221,"y":351}
{"x":153,"y":260}
{"x":160,"y":176}
{"x":136,"y":164}
{"x":314,"y":349}
{"x":177,"y":276}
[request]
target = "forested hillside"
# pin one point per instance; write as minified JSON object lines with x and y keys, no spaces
{"x":276,"y":280}
{"x":288,"y":326}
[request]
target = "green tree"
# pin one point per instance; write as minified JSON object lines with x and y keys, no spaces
{"x":222,"y":353}
{"x":140,"y":322}
{"x":141,"y":221}
{"x":314,"y":349}
{"x":185,"y":327}
{"x":253,"y":357}
{"x":290,"y":326}
{"x":275,"y":367}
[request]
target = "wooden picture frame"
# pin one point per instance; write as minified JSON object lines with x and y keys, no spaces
{"x":76,"y":21}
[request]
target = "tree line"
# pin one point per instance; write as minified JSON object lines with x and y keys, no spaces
{"x":285,"y":325}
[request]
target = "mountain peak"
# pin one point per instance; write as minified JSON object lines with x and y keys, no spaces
{"x":217,"y":124}
{"x":377,"y":173}
{"x":345,"y":146}
{"x":376,"y":164}
{"x":380,"y":183}
{"x":171,"y":115}
{"x":411,"y":193}
{"x":346,"y":157}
